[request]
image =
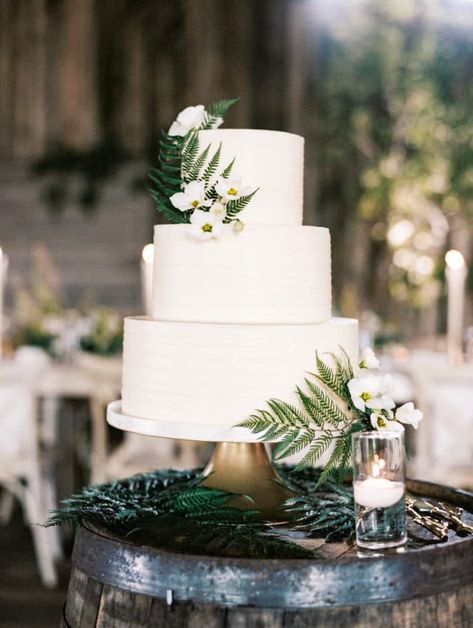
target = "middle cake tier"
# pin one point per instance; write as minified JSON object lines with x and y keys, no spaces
{"x":265,"y":274}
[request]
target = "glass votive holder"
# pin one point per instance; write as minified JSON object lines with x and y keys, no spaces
{"x":379,"y":489}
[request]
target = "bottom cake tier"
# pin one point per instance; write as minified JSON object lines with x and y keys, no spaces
{"x":220,"y":373}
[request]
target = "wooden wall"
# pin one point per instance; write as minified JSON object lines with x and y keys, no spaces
{"x":74,"y":73}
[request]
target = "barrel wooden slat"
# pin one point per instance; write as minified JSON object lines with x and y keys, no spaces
{"x":206,"y":616}
{"x":89,"y":612}
{"x":118,"y":584}
{"x":175,"y":616}
{"x":254,"y":618}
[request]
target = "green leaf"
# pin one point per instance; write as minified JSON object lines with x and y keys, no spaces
{"x":193,"y":173}
{"x":212,"y":166}
{"x":228,"y":170}
{"x":216,"y":111}
{"x":326,"y":409}
{"x":235,"y":207}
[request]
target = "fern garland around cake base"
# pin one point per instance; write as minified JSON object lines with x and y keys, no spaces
{"x":170,"y":509}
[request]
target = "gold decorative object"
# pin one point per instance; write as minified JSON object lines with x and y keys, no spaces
{"x":245,"y":468}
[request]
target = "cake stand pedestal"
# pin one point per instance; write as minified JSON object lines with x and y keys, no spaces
{"x":239,"y":463}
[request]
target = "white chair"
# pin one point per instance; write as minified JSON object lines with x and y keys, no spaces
{"x":21,"y":473}
{"x":136,"y":454}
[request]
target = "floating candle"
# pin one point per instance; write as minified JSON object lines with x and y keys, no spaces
{"x":377,"y":492}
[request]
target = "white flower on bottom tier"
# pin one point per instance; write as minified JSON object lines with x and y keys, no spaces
{"x":381,"y":422}
{"x":192,"y":197}
{"x":371,"y":392}
{"x":205,"y":225}
{"x":409,"y":414}
{"x":232,"y":189}
{"x":188,"y":119}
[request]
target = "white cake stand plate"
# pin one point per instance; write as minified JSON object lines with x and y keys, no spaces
{"x":181,"y":431}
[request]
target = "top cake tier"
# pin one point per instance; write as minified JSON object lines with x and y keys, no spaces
{"x":272,"y":161}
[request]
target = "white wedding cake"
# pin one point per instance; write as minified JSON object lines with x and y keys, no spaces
{"x":236,"y":319}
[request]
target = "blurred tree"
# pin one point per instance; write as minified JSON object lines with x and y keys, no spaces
{"x":394,"y":93}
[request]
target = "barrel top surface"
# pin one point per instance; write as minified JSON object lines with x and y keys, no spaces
{"x":338,"y":578}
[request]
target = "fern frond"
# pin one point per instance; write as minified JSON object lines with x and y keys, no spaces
{"x":189,"y":152}
{"x":235,"y":207}
{"x":167,"y":209}
{"x":211,"y":169}
{"x":294,"y":446}
{"x":310,"y":406}
{"x":225,"y":174}
{"x":316,"y":450}
{"x":338,"y":454}
{"x":327,"y":408}
{"x":215,"y":112}
{"x":193,"y":173}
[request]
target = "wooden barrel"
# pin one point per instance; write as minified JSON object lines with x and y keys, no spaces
{"x":117,"y":584}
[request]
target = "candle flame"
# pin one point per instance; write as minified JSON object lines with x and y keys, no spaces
{"x":148,"y":253}
{"x":378,"y":466}
{"x":454,"y":259}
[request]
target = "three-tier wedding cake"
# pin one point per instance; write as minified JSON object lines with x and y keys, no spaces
{"x":239,"y":313}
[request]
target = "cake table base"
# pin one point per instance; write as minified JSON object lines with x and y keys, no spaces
{"x":239,"y":463}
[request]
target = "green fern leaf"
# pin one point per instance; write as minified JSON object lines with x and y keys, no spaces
{"x":316,"y":450}
{"x":189,"y":152}
{"x":215,"y":112}
{"x":327,"y":409}
{"x":300,"y":443}
{"x":167,"y":210}
{"x":225,"y":174}
{"x":211,"y":169}
{"x":310,"y":406}
{"x":193,"y":173}
{"x":235,"y":207}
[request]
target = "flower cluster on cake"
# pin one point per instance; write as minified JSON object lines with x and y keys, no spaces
{"x":190,"y":184}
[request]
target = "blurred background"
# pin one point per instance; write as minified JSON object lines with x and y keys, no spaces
{"x":383,"y":94}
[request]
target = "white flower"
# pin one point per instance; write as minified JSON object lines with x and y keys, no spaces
{"x":192,"y":197}
{"x":380,"y":422}
{"x":205,"y":225}
{"x":231,"y":189}
{"x":410,"y":415}
{"x":218,"y":209}
{"x":189,"y":118}
{"x":369,"y":359}
{"x":370,"y":391}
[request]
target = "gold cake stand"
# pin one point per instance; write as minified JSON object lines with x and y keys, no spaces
{"x":239,"y":463}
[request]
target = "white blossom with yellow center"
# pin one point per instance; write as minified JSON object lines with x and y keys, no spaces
{"x":191,"y":197}
{"x":232,"y":189}
{"x":381,"y":422}
{"x":205,"y":225}
{"x":371,"y":392}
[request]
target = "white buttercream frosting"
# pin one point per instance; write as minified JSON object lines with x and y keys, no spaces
{"x":271,"y":161}
{"x":221,"y":373}
{"x":266,"y":274}
{"x":237,"y":320}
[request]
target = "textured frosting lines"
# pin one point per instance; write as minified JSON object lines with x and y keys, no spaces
{"x":219,"y":374}
{"x":272,"y":161}
{"x":266,"y":274}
